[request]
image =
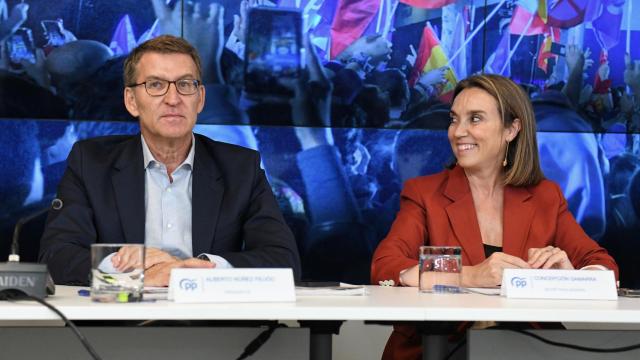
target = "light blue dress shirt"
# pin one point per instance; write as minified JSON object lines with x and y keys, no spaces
{"x":168,"y":207}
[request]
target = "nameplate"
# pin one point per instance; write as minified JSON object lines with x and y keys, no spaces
{"x":559,"y":284}
{"x":231,"y":285}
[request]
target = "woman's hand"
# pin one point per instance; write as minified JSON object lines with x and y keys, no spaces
{"x":489,"y":272}
{"x":549,"y":258}
{"x":410,"y":276}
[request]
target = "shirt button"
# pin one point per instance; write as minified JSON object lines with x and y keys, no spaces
{"x":169,"y":225}
{"x":168,"y":189}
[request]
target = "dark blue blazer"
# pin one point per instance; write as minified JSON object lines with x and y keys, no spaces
{"x":234,"y":212}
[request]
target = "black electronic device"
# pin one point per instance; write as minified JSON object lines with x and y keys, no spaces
{"x":273,"y":51}
{"x":317,"y":283}
{"x":628,"y":292}
{"x":558,"y":49}
{"x":53,"y":31}
{"x":19,"y":47}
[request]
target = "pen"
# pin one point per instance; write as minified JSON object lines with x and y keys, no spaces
{"x":446,"y":288}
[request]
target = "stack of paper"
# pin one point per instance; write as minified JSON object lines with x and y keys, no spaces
{"x":342,"y":290}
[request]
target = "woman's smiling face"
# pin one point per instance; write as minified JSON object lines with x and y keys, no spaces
{"x":476,"y":133}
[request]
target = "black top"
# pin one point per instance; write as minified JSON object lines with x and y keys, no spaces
{"x":490,"y":249}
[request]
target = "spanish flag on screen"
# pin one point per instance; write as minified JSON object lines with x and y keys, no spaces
{"x":545,"y":49}
{"x":431,"y":56}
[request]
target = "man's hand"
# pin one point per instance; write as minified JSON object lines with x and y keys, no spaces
{"x":311,"y":104}
{"x":577,"y":59}
{"x":632,"y":74}
{"x":37,"y":71}
{"x":412,"y":56}
{"x":489,"y":272}
{"x":434,"y":77}
{"x":549,"y":258}
{"x":154,"y":256}
{"x":18,"y":16}
{"x":127,"y":259}
{"x":205,"y":33}
{"x":158,"y":275}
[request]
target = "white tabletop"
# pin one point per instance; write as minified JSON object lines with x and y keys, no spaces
{"x":381,"y":304}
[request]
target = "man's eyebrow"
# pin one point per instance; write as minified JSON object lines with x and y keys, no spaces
{"x":185,"y":76}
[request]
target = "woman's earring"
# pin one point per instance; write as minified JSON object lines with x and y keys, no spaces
{"x":506,"y":154}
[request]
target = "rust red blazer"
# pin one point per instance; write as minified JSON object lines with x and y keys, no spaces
{"x":439,"y":210}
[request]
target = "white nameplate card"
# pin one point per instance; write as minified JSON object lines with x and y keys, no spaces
{"x":231,"y":285}
{"x":559,"y":284}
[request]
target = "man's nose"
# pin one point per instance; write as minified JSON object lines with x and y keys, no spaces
{"x":172,"y":96}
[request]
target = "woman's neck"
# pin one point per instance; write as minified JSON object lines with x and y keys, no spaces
{"x":486,"y":183}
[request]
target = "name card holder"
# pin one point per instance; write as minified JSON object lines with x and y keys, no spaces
{"x":559,"y":284}
{"x":231,"y":285}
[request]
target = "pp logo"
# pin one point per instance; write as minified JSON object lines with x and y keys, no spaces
{"x":518,"y":282}
{"x":188,"y":284}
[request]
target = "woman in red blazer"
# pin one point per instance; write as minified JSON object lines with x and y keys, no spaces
{"x":494,"y":203}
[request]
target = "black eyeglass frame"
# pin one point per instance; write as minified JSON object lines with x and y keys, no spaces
{"x":169,"y":82}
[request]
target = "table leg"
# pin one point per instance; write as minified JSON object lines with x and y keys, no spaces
{"x":321,"y":342}
{"x":435,"y":338}
{"x":434,"y":347}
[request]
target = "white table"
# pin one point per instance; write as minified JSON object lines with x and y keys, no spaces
{"x":382,"y":304}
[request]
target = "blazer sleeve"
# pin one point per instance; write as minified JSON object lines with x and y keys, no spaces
{"x":399,"y":250}
{"x":268,"y":241}
{"x":69,"y":231}
{"x":580,"y":248}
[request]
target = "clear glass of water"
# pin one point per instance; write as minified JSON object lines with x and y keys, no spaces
{"x":440,"y":268}
{"x":109,"y":284}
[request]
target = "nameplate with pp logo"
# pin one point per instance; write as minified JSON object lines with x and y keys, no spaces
{"x":559,"y":284}
{"x":231,"y":285}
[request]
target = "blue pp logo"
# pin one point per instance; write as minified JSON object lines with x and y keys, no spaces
{"x":188,"y":284}
{"x":518,"y":282}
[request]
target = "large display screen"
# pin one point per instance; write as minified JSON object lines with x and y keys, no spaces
{"x":344,"y":99}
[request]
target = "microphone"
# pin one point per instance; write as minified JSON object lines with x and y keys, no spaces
{"x":56,"y":204}
{"x":32,"y":279}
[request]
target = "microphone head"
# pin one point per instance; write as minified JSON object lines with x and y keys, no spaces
{"x":56,"y":204}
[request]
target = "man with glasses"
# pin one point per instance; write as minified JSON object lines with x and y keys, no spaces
{"x":192,"y":201}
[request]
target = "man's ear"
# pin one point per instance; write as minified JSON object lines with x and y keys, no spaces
{"x":514,"y":129}
{"x":130,"y":102}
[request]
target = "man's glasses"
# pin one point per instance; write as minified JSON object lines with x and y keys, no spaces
{"x":160,"y":87}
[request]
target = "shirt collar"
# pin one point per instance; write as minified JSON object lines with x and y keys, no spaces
{"x":149,"y":159}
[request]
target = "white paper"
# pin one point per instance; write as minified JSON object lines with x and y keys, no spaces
{"x":231,"y":285}
{"x":559,"y":284}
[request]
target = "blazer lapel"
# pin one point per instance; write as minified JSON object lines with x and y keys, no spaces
{"x":462,"y":215}
{"x":127,"y":179}
{"x":517,"y":218}
{"x":207,"y":195}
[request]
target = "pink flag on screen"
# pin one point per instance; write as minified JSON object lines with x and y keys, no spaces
{"x":520,"y":22}
{"x":351,"y":19}
{"x":544,"y":53}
